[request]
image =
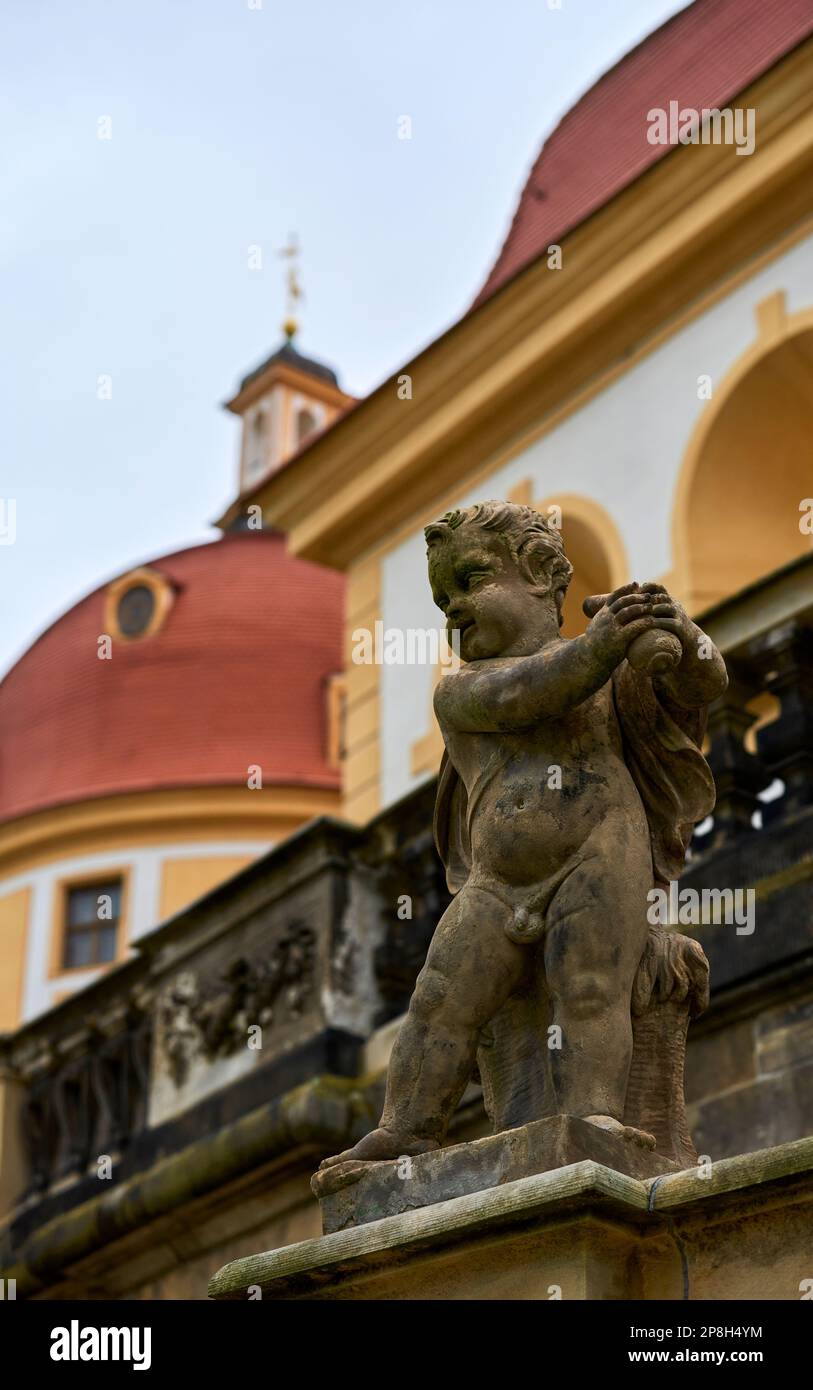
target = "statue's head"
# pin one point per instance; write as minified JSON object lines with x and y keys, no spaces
{"x":490,"y":567}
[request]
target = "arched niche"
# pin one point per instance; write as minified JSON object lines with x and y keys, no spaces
{"x":748,"y":466}
{"x":594,"y":548}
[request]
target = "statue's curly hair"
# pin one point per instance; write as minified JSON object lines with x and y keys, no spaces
{"x":525,"y":532}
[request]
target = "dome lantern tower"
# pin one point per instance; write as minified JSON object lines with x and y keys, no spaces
{"x":285,"y":401}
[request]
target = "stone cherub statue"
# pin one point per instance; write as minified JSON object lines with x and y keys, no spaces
{"x":569,"y":788}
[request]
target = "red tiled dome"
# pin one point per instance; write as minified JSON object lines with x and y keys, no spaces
{"x":235,"y":676}
{"x":701,"y":57}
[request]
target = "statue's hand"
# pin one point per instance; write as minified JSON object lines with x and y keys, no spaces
{"x":700,"y":675}
{"x":616,"y":619}
{"x":671,"y":615}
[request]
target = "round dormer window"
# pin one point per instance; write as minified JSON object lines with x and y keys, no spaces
{"x":136,"y":609}
{"x":137,"y":604}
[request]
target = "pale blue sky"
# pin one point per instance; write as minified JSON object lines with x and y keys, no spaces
{"x":232,"y":127}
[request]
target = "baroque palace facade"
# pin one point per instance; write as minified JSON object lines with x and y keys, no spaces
{"x":639,"y":358}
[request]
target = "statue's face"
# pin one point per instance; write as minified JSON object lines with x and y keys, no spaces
{"x":478,"y":587}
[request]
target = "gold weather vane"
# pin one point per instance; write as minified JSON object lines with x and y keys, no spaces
{"x":292,"y":286}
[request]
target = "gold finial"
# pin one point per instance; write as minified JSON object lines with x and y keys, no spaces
{"x":292,"y":285}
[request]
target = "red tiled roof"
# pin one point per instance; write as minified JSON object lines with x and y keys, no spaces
{"x":236,"y":676}
{"x":702,"y":57}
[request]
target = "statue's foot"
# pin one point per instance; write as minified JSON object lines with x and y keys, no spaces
{"x":381,"y":1144}
{"x":631,"y":1135}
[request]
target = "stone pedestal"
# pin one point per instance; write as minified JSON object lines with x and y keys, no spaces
{"x":744,"y":1230}
{"x":403,"y":1185}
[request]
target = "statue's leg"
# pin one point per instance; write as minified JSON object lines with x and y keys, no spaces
{"x":596,"y":932}
{"x":513,"y":1057}
{"x":470,"y":970}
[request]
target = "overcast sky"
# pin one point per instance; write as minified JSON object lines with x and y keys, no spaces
{"x":234,"y":123}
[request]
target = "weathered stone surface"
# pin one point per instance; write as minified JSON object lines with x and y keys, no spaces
{"x":720,"y":1058}
{"x":773,"y":1109}
{"x":401,"y":1185}
{"x":784,"y":1037}
{"x":742,"y":1231}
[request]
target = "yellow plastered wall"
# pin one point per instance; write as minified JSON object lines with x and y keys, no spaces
{"x":362,"y":760}
{"x":184,"y":880}
{"x":13,"y":929}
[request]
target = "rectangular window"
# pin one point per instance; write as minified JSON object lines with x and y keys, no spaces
{"x":92,"y":919}
{"x":336,"y":719}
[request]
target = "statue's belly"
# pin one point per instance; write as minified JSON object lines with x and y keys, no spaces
{"x":526,"y":828}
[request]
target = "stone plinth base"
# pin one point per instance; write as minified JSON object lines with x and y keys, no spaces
{"x":743,"y":1231}
{"x":376,"y":1190}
